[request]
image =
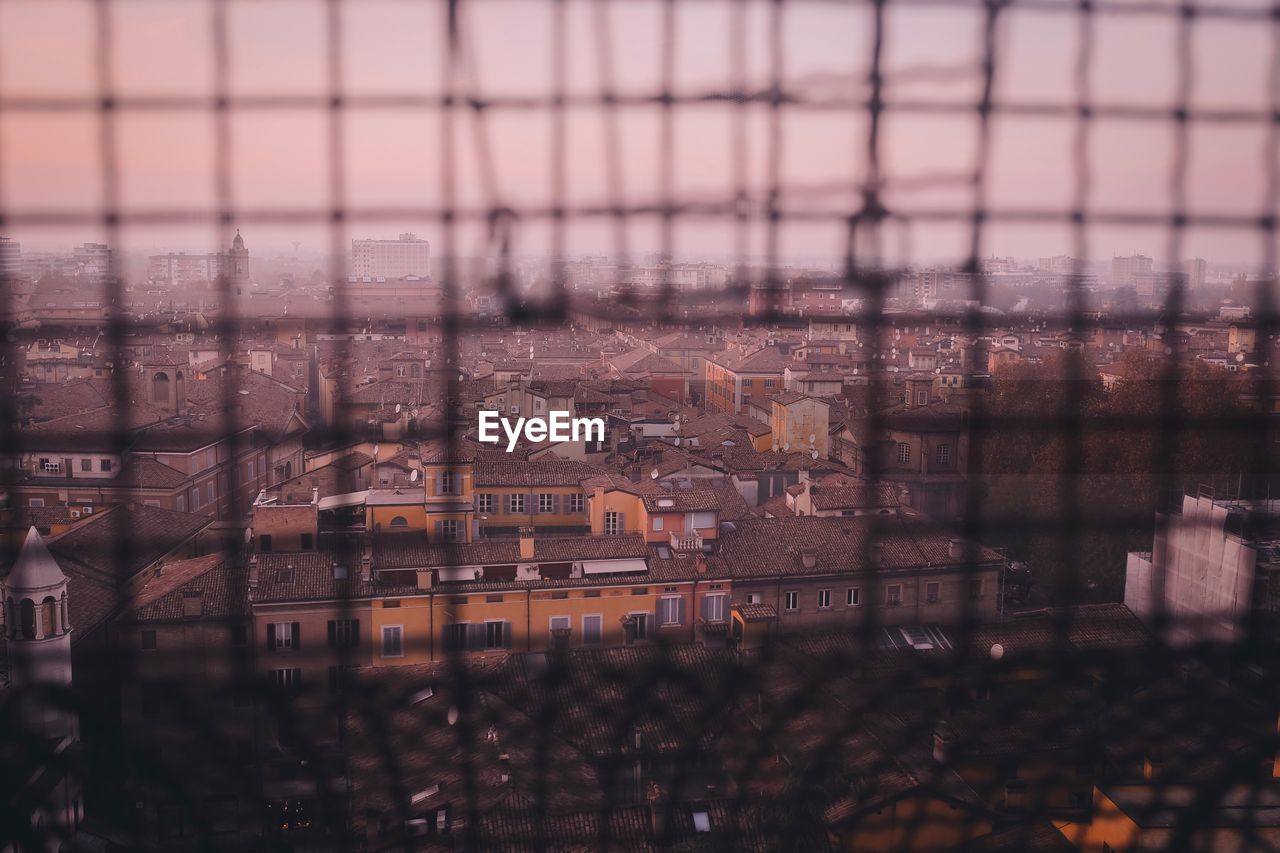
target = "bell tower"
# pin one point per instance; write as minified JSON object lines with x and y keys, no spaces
{"x":166,"y":383}
{"x":38,"y":638}
{"x":238,"y":265}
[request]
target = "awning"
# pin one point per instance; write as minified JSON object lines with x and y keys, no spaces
{"x":339,"y":501}
{"x":610,"y":567}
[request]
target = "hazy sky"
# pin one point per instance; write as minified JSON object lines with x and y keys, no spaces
{"x":50,"y":160}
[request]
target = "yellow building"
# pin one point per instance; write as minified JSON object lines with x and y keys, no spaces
{"x":545,"y":494}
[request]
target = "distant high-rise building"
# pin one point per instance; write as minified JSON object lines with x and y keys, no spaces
{"x":1195,"y":269}
{"x":400,"y":258}
{"x":1126,"y":269}
{"x":179,"y":269}
{"x":10,"y":258}
{"x":92,"y":261}
{"x":1058,"y":265}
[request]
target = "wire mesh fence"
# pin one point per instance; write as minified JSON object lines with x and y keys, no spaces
{"x":1034,"y":731}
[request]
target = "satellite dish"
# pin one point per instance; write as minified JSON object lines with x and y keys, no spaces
{"x":813,"y":454}
{"x":812,"y":438}
{"x":398,"y":411}
{"x":413,"y":476}
{"x":997,"y":651}
{"x":775,"y":445}
{"x":653,"y":475}
{"x":375,"y":451}
{"x":453,"y":715}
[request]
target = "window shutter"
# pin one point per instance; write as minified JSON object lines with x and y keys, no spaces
{"x":506,"y":504}
{"x":440,"y":483}
{"x":622,"y":523}
{"x":297,"y":637}
{"x":355,"y":633}
{"x":333,"y":634}
{"x":439,"y":531}
{"x":271,"y":636}
{"x":506,"y":635}
{"x":555,"y":503}
{"x":680,"y":610}
{"x":475,"y":635}
{"x":707,"y":604}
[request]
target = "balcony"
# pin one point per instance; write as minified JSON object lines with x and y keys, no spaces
{"x":686,"y":542}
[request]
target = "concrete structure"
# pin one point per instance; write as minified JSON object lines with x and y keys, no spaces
{"x":400,"y":258}
{"x":1203,"y":569}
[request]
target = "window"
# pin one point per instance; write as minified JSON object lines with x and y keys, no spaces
{"x":612,"y":523}
{"x":753,"y":598}
{"x":306,"y":541}
{"x":251,"y":469}
{"x":239,"y":634}
{"x":641,"y":622}
{"x":288,"y":680}
{"x":904,"y":453}
{"x":449,"y":482}
{"x":932,"y":592}
{"x":338,"y":677}
{"x":657,"y":522}
{"x":264,"y":541}
{"x":212,"y":494}
{"x":824,"y":599}
{"x":344,"y":633}
{"x":975,"y":589}
{"x":853,"y":596}
{"x":86,"y":464}
{"x":181,"y":504}
{"x":104,"y":465}
{"x":449,"y":530}
{"x":560,"y":594}
{"x":943,"y":454}
{"x":516,"y":504}
{"x":399,"y":522}
{"x":893,"y":594}
{"x":392,"y":641}
{"x":455,"y":636}
{"x":35,"y":503}
{"x":484,"y":503}
{"x":148,"y":641}
{"x":577,"y":503}
{"x":495,"y":635}
{"x":592,"y":630}
{"x":283,"y":636}
{"x":671,"y":610}
{"x":560,"y":623}
{"x":546,"y":502}
{"x":713,"y":608}
{"x":922,"y":398}
{"x":791,"y":599}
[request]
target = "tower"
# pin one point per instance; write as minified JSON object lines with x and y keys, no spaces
{"x":166,"y":383}
{"x":238,"y":265}
{"x":38,"y":638}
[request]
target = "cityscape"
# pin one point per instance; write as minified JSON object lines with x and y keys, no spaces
{"x":699,"y":490}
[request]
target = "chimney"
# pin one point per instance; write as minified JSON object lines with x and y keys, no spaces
{"x":526,"y":543}
{"x":700,"y":564}
{"x":657,"y":817}
{"x":942,"y":741}
{"x":955,"y":549}
{"x":192,"y":604}
{"x":253,"y":572}
{"x":875,"y":553}
{"x":426,"y":578}
{"x":366,"y":564}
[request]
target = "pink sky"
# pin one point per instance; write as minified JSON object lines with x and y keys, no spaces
{"x":49,"y":161}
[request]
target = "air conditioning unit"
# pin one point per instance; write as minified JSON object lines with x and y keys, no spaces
{"x":75,"y":513}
